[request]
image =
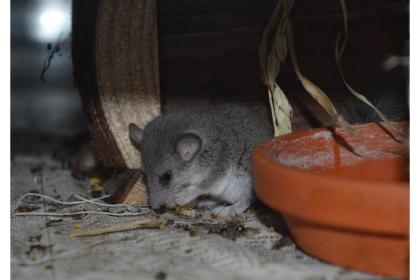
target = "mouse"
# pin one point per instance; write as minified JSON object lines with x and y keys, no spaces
{"x":203,"y":151}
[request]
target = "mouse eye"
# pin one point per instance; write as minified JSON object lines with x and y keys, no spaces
{"x":165,"y":178}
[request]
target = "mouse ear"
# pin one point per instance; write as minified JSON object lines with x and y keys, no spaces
{"x":187,"y":146}
{"x":135,"y":132}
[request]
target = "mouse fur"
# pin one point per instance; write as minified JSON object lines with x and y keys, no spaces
{"x":386,"y":93}
{"x":202,"y":151}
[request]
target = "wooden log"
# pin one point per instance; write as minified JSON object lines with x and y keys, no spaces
{"x":127,"y":187}
{"x":115,"y":56}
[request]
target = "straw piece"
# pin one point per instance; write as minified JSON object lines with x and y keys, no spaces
{"x":316,"y":93}
{"x":143,"y":223}
{"x":272,"y":53}
{"x":339,"y":50}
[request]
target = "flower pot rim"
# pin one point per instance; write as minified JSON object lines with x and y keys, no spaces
{"x":359,"y":224}
{"x":333,"y":191}
{"x":261,"y":152}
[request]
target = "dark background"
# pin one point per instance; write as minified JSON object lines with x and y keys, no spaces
{"x":207,"y":49}
{"x":42,"y":108}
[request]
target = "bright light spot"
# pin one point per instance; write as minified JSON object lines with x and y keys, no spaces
{"x":52,"y":21}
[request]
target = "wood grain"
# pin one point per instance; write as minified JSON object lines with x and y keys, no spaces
{"x":127,"y":69}
{"x":115,"y":55}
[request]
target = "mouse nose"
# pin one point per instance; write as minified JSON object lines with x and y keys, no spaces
{"x":160,"y":210}
{"x":155,"y":202}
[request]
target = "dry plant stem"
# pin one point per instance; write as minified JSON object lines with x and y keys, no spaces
{"x":263,"y":50}
{"x":143,"y":223}
{"x":340,"y":45}
{"x":58,"y":201}
{"x":91,"y":201}
{"x":281,"y":111}
{"x":270,"y":61}
{"x":127,"y":214}
{"x":52,"y":51}
{"x":316,"y":93}
{"x":81,"y":201}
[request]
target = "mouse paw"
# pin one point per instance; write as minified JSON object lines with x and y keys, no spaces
{"x":226,"y":211}
{"x":206,"y":204}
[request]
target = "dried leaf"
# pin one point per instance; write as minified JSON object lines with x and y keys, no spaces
{"x":272,"y":53}
{"x":316,"y":93}
{"x":281,"y":111}
{"x":339,"y":50}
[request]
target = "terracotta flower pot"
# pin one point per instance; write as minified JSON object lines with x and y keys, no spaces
{"x":344,"y":197}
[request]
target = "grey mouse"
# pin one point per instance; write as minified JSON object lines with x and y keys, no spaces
{"x":204,"y":151}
